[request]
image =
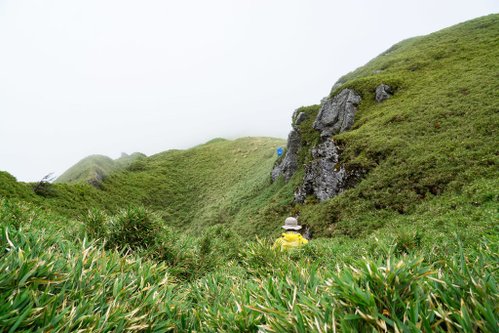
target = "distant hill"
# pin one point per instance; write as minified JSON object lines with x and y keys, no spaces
{"x":93,"y":169}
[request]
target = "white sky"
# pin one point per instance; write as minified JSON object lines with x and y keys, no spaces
{"x":110,"y":76}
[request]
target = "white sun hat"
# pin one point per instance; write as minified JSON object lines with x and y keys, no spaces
{"x":291,"y":223}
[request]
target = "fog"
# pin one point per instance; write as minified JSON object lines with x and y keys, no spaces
{"x":105,"y":77}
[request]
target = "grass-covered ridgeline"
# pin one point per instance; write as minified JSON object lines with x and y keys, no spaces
{"x":194,"y":188}
{"x":180,"y":241}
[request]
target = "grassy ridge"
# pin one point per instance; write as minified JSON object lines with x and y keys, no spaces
{"x":193,"y":188}
{"x":201,"y":186}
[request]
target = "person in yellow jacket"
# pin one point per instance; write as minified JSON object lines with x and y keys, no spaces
{"x":291,"y":238}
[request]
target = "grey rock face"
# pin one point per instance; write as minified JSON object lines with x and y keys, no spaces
{"x":289,"y":163}
{"x":337,"y":114}
{"x":383,"y":91}
{"x":323,"y":177}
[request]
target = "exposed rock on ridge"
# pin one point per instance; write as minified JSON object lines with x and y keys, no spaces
{"x":289,"y":164}
{"x":322,"y":177}
{"x":337,"y":114}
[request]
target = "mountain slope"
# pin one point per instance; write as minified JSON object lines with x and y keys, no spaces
{"x":436,"y":136}
{"x":199,"y":186}
{"x":430,"y":146}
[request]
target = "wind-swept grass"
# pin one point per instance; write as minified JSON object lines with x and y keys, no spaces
{"x":52,"y":281}
{"x":56,"y":285}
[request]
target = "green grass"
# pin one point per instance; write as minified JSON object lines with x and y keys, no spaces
{"x":191,"y":189}
{"x":169,"y":242}
{"x":55,"y":279}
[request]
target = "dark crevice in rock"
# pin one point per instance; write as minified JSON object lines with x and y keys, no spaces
{"x":322,"y":177}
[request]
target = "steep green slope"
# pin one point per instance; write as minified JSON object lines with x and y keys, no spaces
{"x":436,"y":136}
{"x":192,"y":188}
{"x":92,"y":169}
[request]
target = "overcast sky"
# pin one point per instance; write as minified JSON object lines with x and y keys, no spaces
{"x":110,"y":76}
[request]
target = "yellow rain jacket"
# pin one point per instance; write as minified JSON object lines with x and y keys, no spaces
{"x":289,"y":240}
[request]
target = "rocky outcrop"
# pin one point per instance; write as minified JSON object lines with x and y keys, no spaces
{"x":337,"y":114}
{"x":323,"y":178}
{"x":383,"y":91}
{"x":289,"y":164}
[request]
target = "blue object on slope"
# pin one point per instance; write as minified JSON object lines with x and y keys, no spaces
{"x":279,"y":151}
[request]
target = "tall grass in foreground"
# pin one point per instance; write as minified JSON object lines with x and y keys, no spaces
{"x":51,"y":283}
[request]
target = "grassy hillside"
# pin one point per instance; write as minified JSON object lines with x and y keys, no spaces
{"x":168,"y":242}
{"x":201,"y":186}
{"x":435,"y":138}
{"x":432,"y":144}
{"x":191,"y":189}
